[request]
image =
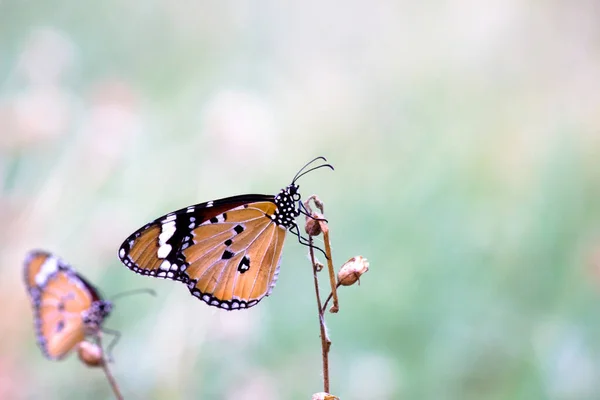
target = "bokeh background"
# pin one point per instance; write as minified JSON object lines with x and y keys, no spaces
{"x":466,"y":141}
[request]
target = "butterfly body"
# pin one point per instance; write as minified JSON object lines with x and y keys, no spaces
{"x":94,"y":317}
{"x":226,"y":251}
{"x":67,"y":308}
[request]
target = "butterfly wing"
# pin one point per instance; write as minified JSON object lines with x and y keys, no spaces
{"x":59,"y":296}
{"x":227,"y":251}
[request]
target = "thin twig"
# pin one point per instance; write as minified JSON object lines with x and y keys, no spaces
{"x":329,"y":297}
{"x":325,"y":342}
{"x":335,"y":307}
{"x":108,"y":374}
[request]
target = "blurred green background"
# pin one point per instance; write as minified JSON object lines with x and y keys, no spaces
{"x":466,"y":141}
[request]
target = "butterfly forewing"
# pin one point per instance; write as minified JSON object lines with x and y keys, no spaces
{"x":155,"y":249}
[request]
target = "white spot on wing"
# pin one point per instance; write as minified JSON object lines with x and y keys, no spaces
{"x":50,"y":267}
{"x":166,"y":231}
{"x":170,"y":217}
{"x":165,"y":266}
{"x":164,"y":250}
{"x":209,"y":204}
{"x":122,"y":253}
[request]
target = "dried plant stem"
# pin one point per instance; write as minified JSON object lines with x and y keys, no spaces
{"x":335,"y":308}
{"x":109,"y":377}
{"x":325,"y":341}
{"x":111,"y":380}
{"x":329,"y":297}
{"x":324,"y":228}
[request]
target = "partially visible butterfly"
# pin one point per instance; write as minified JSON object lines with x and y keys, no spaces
{"x":67,"y":308}
{"x":226,"y":251}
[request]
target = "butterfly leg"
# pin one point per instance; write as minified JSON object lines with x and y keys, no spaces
{"x":305,"y":212}
{"x":116,"y":336}
{"x":303,"y":241}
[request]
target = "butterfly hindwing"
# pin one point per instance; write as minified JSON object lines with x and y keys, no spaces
{"x":61,"y":325}
{"x":233,"y":262}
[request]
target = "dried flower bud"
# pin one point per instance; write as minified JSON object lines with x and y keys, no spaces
{"x":90,"y":354}
{"x":315,"y":199}
{"x":312,"y":226}
{"x":352,"y":270}
{"x":324,"y":396}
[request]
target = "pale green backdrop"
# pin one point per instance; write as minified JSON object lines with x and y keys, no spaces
{"x":466,"y":141}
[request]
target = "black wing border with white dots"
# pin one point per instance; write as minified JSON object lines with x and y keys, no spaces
{"x":186,"y":220}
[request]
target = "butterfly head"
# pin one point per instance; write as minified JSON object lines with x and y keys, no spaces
{"x":288,"y":200}
{"x":292,"y":191}
{"x":95,"y":315}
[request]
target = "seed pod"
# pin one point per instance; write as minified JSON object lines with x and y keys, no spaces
{"x":312,"y":226}
{"x":351,"y":271}
{"x":90,"y":354}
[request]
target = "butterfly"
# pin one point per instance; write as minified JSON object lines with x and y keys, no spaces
{"x":227,"y":251}
{"x":67,"y":308}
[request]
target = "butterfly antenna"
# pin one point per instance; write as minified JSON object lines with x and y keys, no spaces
{"x":134,"y":292}
{"x":302,"y":171}
{"x":312,"y":169}
{"x":307,"y":164}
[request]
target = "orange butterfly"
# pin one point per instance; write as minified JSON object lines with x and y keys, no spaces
{"x":67,"y":308}
{"x":226,"y":251}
